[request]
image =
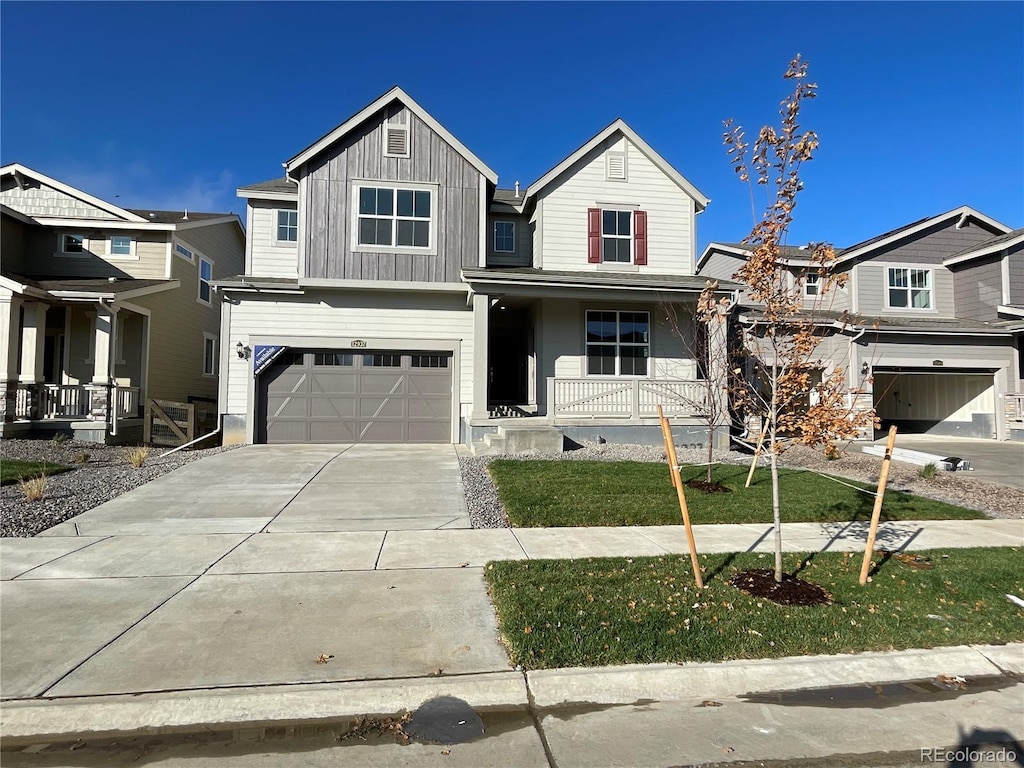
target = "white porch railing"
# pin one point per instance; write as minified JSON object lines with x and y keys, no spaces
{"x":128,"y":402}
{"x":624,"y":398}
{"x":72,"y":401}
{"x":1015,"y":407}
{"x":61,"y":401}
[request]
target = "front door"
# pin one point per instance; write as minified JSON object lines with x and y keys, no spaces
{"x":507,"y":366}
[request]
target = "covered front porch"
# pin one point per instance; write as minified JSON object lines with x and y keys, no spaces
{"x":595,"y":361}
{"x":73,"y":365}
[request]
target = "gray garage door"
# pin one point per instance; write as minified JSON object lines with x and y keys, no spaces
{"x":376,"y":396}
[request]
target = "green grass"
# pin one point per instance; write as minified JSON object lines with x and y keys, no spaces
{"x":13,"y":470}
{"x":540,"y":494}
{"x":599,"y":611}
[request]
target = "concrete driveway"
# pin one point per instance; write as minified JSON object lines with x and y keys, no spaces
{"x":993,"y":461}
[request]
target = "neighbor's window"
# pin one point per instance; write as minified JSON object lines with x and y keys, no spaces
{"x":616,"y":236}
{"x":287,"y":226}
{"x":504,"y":237}
{"x":910,"y":288}
{"x":811,"y":284}
{"x":120,"y":245}
{"x":618,"y":343}
{"x":205,"y":276}
{"x":394,"y":218}
{"x":209,"y":355}
{"x":70,"y":243}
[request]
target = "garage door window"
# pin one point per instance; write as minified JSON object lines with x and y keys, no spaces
{"x":429,"y":361}
{"x":383,"y":360}
{"x":327,"y":358}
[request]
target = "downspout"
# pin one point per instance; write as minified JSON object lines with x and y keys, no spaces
{"x":849,"y":363}
{"x":192,"y":442}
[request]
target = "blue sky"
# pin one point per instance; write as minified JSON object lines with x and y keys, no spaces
{"x":173,"y":105}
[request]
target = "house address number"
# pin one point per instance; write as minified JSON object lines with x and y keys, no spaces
{"x":358,"y":343}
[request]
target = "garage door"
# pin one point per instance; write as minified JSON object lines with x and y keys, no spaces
{"x":377,"y":396}
{"x":951,"y":402}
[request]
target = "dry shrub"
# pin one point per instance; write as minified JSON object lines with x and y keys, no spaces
{"x":137,"y":456}
{"x":82,"y":458}
{"x":33,"y":488}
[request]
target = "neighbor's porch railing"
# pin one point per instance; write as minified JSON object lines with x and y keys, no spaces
{"x":71,"y":401}
{"x":1014,"y":406}
{"x":624,"y":398}
{"x":61,"y":401}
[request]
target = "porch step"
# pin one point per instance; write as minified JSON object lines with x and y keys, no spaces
{"x":512,"y":440}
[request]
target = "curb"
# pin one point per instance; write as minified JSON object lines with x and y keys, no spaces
{"x":27,"y":722}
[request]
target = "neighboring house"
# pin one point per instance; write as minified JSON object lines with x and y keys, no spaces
{"x":104,"y":307}
{"x":392,"y":293}
{"x":928,"y":326}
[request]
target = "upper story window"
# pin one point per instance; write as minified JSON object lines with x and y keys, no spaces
{"x":910,"y":288}
{"x":618,"y":343}
{"x":812,"y":284}
{"x":205,"y":277}
{"x":616,"y":236}
{"x":182,"y":251}
{"x":504,"y":237}
{"x":121,"y":245}
{"x":287,"y":227}
{"x":394,"y":217}
{"x":72,"y":243}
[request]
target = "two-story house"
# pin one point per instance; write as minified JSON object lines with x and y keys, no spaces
{"x":103,"y":307}
{"x":392,"y":293}
{"x":928,"y":327}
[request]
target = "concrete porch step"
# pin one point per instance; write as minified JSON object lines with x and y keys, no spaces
{"x":519,"y":439}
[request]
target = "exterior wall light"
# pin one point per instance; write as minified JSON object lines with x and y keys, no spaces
{"x":244,"y":352}
{"x":865,"y":369}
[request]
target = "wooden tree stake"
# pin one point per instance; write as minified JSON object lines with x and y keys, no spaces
{"x":666,"y":435}
{"x":877,"y":511}
{"x":673,"y":465}
{"x":757,"y":453}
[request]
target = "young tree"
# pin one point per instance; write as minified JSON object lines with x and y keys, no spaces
{"x":792,"y":405}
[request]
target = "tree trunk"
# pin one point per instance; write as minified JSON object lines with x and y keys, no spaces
{"x":776,"y":517}
{"x":711,"y":450}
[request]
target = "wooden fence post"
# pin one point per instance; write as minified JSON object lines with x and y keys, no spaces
{"x":877,"y":511}
{"x":666,"y":436}
{"x":757,"y":453}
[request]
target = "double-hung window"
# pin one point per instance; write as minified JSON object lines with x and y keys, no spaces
{"x":287,"y":226}
{"x":205,"y":277}
{"x":120,"y":245}
{"x":618,"y":343}
{"x":910,"y":288}
{"x":812,"y":283}
{"x":394,"y":217}
{"x":504,"y":237}
{"x":617,"y":237}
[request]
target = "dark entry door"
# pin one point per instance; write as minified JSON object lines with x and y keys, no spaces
{"x":507,"y":363}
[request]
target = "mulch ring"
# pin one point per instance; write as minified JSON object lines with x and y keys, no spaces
{"x":704,"y":485}
{"x":760,"y":582}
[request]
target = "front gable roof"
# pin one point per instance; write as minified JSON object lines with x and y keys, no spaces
{"x":21,"y":172}
{"x":395,"y":94}
{"x":789,"y":255}
{"x":961,"y":214}
{"x":619,"y":126}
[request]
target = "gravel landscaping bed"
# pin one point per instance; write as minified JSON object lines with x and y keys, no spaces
{"x":105,"y":475}
{"x":997,"y":501}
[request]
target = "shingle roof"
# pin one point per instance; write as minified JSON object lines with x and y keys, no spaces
{"x":282,"y":185}
{"x":173,"y":217}
{"x":786,"y":251}
{"x":900,"y":323}
{"x":85,"y":284}
{"x":632,"y":280}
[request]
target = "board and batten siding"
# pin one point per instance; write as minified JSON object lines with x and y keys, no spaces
{"x":326,"y":211}
{"x":978,"y":288}
{"x":563,"y":209}
{"x":267,"y":257}
{"x":39,"y":199}
{"x":405,"y":316}
{"x":1016,"y":267}
{"x":522,"y":255}
{"x":872,"y":283}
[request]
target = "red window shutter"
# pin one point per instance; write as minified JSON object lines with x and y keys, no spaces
{"x":594,"y":235}
{"x":639,"y":237}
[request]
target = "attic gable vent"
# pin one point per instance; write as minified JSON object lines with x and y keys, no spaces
{"x":616,"y":165}
{"x":396,"y":140}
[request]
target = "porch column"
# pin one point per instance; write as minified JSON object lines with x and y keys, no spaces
{"x":10,"y":315}
{"x":481,"y":369}
{"x":104,"y":339}
{"x":718,"y":367}
{"x":33,"y":343}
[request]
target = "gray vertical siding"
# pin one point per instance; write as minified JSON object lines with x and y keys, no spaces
{"x":329,"y":177}
{"x":978,"y":288}
{"x":1017,"y":274}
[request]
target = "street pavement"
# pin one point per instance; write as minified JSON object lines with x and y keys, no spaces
{"x":298,"y":585}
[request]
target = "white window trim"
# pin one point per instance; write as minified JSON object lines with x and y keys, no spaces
{"x":384,"y":139}
{"x":132,"y":254}
{"x":618,"y":357}
{"x":815,"y":280}
{"x":932,"y":309}
{"x":200,"y":281}
{"x":83,"y":254}
{"x":190,"y":259}
{"x":207,"y":338}
{"x":274,"y":226}
{"x":495,"y":243}
{"x":630,"y":237}
{"x":358,"y":184}
{"x":608,"y":156}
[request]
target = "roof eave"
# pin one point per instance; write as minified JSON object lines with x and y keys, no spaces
{"x":983,"y":250}
{"x":16,"y":168}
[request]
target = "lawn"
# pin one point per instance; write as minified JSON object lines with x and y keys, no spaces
{"x":12,"y":470}
{"x":599,"y":611}
{"x":539,"y":494}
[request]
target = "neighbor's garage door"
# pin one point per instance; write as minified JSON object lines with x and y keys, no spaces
{"x":380,"y":396}
{"x":949,"y":402}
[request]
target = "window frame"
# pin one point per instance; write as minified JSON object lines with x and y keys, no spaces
{"x":182,"y":251}
{"x":356,"y":187}
{"x":132,"y":253}
{"x":277,"y":227}
{"x":909,"y":289}
{"x":201,"y":281}
{"x":616,"y":236}
{"x":511,"y":236}
{"x":62,"y":245}
{"x":618,"y":344}
{"x":209,"y":345}
{"x":812,"y":279}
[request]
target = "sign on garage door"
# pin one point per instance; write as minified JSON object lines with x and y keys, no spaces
{"x":372,"y":396}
